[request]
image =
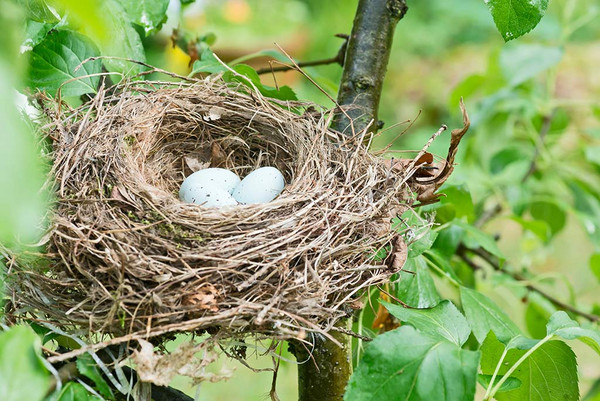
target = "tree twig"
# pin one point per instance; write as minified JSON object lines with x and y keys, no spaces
{"x":351,"y":333}
{"x":546,"y":124}
{"x":338,"y":58}
{"x":490,"y":260}
{"x":66,"y":373}
{"x":488,"y":214}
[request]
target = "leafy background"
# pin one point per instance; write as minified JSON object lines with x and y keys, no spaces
{"x":535,"y":98}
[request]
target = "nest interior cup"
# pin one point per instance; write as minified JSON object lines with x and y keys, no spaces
{"x":123,"y":254}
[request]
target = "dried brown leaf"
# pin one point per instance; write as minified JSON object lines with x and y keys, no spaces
{"x":399,"y":254}
{"x":205,"y":298}
{"x":218,"y":157}
{"x":426,"y":189}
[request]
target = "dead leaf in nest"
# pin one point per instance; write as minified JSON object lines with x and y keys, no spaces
{"x":214,"y":113}
{"x":160,"y":369}
{"x":118,"y":192}
{"x":205,"y":298}
{"x":398,"y":254}
{"x":356,"y":304}
{"x":193,"y":162}
{"x":424,"y":165}
{"x":218,"y":157}
{"x":426,"y":187}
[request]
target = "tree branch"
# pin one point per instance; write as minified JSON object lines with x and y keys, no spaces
{"x":490,"y":260}
{"x":366,"y":63}
{"x":546,"y":123}
{"x":338,"y":58}
{"x":324,"y":369}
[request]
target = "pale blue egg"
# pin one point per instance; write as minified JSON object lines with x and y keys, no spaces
{"x":209,"y":197}
{"x":260,"y":186}
{"x":208,"y":179}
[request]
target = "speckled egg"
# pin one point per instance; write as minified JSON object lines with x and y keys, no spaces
{"x":260,"y":186}
{"x":210,"y":197}
{"x":208,"y":179}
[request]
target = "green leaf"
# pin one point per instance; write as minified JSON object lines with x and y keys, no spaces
{"x":442,"y":262}
{"x":208,"y":63}
{"x":448,"y":239}
{"x":39,"y":11}
{"x":514,"y":18}
{"x":548,"y":374}
{"x":443,"y":320}
{"x":456,"y":204}
{"x":35,"y":32}
{"x":459,"y":196}
{"x":88,"y":17}
{"x":549,"y":212}
{"x":22,"y":374}
{"x":422,"y":235}
{"x":75,"y":392}
{"x":484,"y":315}
{"x":149,"y":14}
{"x":511,"y":383}
{"x":594,"y":392}
{"x":124,"y":41}
{"x":538,"y":312}
{"x":88,"y":368}
{"x":283,"y":93}
{"x":22,"y":205}
{"x":21,"y":176}
{"x":417,"y":290}
{"x":592,"y":154}
{"x":595,"y":265}
{"x":523,"y":343}
{"x":468,"y":86}
{"x":561,"y":325}
{"x":43,"y":332}
{"x":55,"y":60}
{"x":538,"y":227}
{"x":475,"y":237}
{"x":587,"y":205}
{"x":415,"y":366}
{"x":464,"y":272}
{"x":505,"y":157}
{"x":522,"y":62}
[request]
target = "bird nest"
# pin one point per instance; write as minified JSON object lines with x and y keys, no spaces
{"x":124,"y":256}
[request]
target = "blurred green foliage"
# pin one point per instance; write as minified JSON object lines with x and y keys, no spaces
{"x":522,"y":209}
{"x":22,"y":202}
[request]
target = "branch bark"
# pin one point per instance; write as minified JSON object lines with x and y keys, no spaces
{"x":366,"y":63}
{"x":326,"y":369}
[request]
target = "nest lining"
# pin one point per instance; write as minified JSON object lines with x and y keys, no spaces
{"x":124,"y":254}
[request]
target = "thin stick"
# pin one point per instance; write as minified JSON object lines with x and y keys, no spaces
{"x":338,"y":58}
{"x":489,"y":259}
{"x":546,"y":123}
